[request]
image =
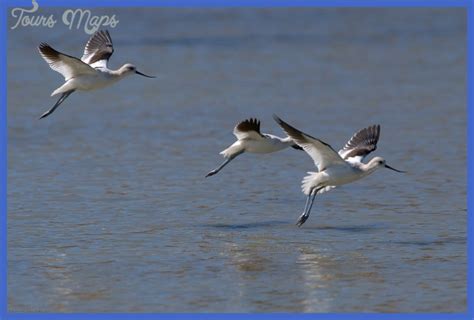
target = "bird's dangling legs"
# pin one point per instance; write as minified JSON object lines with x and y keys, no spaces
{"x":60,"y":100}
{"x":213,"y":172}
{"x":307,"y":201}
{"x":307,"y":208}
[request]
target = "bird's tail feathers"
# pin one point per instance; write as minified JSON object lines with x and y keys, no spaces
{"x":67,"y":86}
{"x":232,"y":151}
{"x":307,"y":184}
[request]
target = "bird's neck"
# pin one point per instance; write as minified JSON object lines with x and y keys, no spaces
{"x":366,"y":168}
{"x":119,"y":73}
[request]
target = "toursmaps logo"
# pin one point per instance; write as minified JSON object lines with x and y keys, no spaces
{"x":72,"y":18}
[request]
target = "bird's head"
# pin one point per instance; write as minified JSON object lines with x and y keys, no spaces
{"x":379,"y":162}
{"x":129,"y":68}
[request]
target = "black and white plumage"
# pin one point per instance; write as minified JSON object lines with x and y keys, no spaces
{"x":88,"y":73}
{"x":250,"y":139}
{"x":98,"y":49}
{"x":249,"y":128}
{"x":361,"y":144}
{"x":335,"y":168}
{"x":66,"y":65}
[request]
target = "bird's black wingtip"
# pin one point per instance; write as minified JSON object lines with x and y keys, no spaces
{"x":42,"y":46}
{"x":277,"y":118}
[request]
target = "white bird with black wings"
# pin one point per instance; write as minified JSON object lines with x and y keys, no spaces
{"x":88,"y":73}
{"x":250,"y":139}
{"x":335,"y":168}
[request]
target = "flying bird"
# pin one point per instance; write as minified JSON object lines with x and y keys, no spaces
{"x":335,"y":168}
{"x":88,"y":73}
{"x":250,"y":139}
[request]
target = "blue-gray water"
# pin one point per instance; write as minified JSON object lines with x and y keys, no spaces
{"x":109,"y":210}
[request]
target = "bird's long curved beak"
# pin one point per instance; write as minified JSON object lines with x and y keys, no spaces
{"x":389,"y":167}
{"x":144,"y":75}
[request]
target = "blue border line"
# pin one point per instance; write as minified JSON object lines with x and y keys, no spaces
{"x":244,"y":3}
{"x":239,"y":316}
{"x":470,"y":154}
{"x":228,"y":3}
{"x":3,"y":161}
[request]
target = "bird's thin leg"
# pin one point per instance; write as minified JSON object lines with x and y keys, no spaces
{"x":303,"y":216}
{"x":60,"y":100}
{"x":307,"y":202}
{"x":302,"y":219}
{"x":311,"y":204}
{"x":213,"y":172}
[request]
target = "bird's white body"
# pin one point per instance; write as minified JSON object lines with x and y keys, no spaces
{"x":267,"y":144}
{"x":335,"y":175}
{"x":335,"y":168}
{"x":88,"y":73}
{"x":250,"y":139}
{"x":87,"y":82}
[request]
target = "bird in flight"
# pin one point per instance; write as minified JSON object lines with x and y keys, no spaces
{"x":335,"y":168}
{"x":250,"y":139}
{"x":88,"y":73}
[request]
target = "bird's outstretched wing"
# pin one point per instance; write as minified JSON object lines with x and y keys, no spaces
{"x":361,"y":144}
{"x":322,"y":153}
{"x":98,"y":49}
{"x":248,"y":129}
{"x":66,"y":65}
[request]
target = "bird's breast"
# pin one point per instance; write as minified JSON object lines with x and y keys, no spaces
{"x":339,"y":175}
{"x":94,"y":81}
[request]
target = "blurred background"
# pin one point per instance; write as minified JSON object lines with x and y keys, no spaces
{"x":108,"y":207}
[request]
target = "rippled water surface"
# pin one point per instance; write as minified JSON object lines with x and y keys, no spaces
{"x":109,"y":210}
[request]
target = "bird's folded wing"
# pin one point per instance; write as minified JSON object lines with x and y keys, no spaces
{"x":248,"y":129}
{"x":98,"y":49}
{"x":361,"y":144}
{"x":322,"y":153}
{"x":66,"y":65}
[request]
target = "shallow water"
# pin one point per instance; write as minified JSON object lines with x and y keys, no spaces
{"x":109,"y":211}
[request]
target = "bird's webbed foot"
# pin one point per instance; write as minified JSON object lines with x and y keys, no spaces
{"x":211,"y":173}
{"x":302,"y":219}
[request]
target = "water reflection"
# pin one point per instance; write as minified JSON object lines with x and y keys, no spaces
{"x":316,"y":283}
